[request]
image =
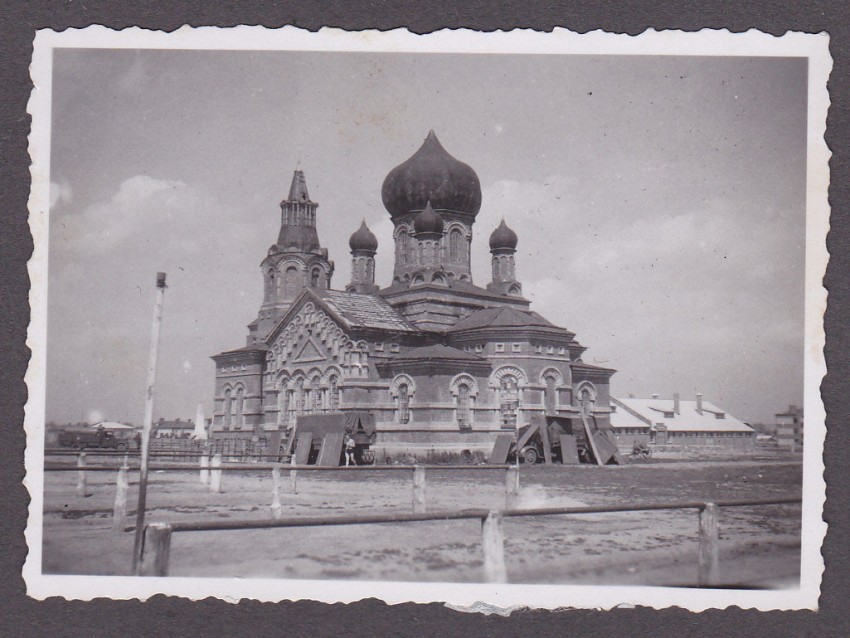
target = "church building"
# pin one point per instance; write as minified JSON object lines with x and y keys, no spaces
{"x":442,"y":363}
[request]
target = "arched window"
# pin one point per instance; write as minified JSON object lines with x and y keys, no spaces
{"x":586,"y":397}
{"x":508,"y":401}
{"x":290,"y":283}
{"x":240,"y":408}
{"x":402,"y":247}
{"x":314,"y":277}
{"x":282,"y":405}
{"x":291,"y":401}
{"x":316,"y":394}
{"x":550,"y":397}
{"x":270,"y":283}
{"x":464,"y":414}
{"x":456,"y":246}
{"x":333,"y":393}
{"x":403,"y":403}
{"x":228,"y":401}
{"x":299,"y":396}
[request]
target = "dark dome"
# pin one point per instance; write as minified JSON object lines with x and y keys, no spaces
{"x":428,"y":221}
{"x":431,"y":174}
{"x":363,"y":239}
{"x":503,"y":237}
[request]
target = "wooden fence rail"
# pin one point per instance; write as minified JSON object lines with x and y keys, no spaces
{"x":210,"y":474}
{"x":159,"y":534}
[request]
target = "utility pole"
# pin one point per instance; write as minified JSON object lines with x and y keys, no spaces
{"x":148,"y":423}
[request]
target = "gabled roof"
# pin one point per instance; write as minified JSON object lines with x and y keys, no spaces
{"x":365,"y":311}
{"x":502,"y":317}
{"x":687,"y":420}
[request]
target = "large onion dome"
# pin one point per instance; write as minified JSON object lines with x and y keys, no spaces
{"x":363,"y":239}
{"x":431,"y":174}
{"x":503,"y":238}
{"x":428,"y":221}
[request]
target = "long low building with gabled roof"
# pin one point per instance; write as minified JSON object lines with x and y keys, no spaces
{"x":678,"y":423}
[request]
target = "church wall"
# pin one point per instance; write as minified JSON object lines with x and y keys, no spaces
{"x":235,"y":376}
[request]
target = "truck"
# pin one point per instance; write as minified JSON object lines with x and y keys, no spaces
{"x":561,"y":439}
{"x":319,"y":438}
{"x":82,"y":438}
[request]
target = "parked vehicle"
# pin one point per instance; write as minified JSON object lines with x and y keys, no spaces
{"x":640,"y":451}
{"x":82,"y":438}
{"x":330,"y":429}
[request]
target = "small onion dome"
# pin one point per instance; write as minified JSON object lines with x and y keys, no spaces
{"x":428,"y":221}
{"x":363,"y":239}
{"x":431,"y":174}
{"x":503,"y":238}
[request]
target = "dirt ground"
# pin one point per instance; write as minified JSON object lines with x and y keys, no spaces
{"x":759,"y":547}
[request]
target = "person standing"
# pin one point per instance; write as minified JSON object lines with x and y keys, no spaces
{"x":349,"y":450}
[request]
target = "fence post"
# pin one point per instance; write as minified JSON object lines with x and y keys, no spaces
{"x":293,"y":476}
{"x":215,"y":474}
{"x":205,"y":469}
{"x":82,"y":488}
{"x":709,"y":554}
{"x":418,"y":489}
{"x":119,"y":510}
{"x":493,"y":542}
{"x":276,"y":491}
{"x":511,"y":487}
{"x":158,"y":545}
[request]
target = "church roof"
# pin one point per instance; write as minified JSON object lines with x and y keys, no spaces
{"x":437,"y":351}
{"x":365,"y":311}
{"x":431,"y":174}
{"x":454,"y":284}
{"x":503,"y":238}
{"x":502,"y":317}
{"x":363,"y":239}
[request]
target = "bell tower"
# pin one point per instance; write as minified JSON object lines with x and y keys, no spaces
{"x":295,"y":262}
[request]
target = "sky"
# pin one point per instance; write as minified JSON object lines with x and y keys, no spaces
{"x":659,"y":204}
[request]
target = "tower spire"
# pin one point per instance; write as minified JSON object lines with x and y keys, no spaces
{"x":298,"y":188}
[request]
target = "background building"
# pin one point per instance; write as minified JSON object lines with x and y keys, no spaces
{"x":441,"y":362}
{"x":674,"y":422}
{"x":789,"y":428}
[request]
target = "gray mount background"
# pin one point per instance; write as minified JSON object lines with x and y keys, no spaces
{"x":160,"y":616}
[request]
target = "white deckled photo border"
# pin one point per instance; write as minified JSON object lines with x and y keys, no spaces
{"x":815,"y":47}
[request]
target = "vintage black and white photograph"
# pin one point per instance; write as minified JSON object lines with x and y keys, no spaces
{"x":515,"y":318}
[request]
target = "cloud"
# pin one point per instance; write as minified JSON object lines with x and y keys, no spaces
{"x":701,"y":296}
{"x":103,"y":261}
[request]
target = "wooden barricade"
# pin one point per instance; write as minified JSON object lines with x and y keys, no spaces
{"x":331,"y":449}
